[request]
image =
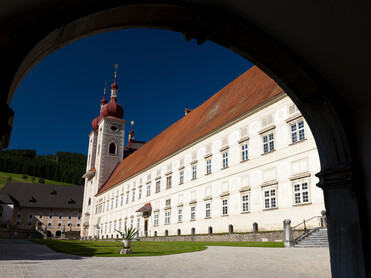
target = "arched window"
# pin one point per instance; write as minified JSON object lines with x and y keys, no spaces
{"x":112,"y":148}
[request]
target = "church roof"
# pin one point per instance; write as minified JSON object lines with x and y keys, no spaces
{"x":245,"y":93}
{"x":42,"y":195}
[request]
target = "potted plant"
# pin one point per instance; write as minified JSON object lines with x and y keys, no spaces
{"x":127,"y":236}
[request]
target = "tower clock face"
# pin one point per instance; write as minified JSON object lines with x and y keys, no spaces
{"x":114,"y":128}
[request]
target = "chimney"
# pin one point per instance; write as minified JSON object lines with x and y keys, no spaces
{"x":187,"y":111}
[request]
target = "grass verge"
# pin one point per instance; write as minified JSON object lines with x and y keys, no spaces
{"x":139,"y":248}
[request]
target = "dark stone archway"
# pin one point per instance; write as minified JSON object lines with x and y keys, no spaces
{"x":42,"y":31}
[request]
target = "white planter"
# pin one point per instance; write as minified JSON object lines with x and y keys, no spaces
{"x":126,"y":243}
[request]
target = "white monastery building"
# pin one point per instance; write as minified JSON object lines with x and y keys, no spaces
{"x":245,"y":155}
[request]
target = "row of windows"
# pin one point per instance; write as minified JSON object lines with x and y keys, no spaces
{"x":49,"y":224}
{"x":301,"y":196}
{"x":297,"y":134}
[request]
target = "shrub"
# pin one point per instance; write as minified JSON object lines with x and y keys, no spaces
{"x":41,"y":180}
{"x":25,"y":176}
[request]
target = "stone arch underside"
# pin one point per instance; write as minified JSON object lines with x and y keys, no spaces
{"x":323,"y":112}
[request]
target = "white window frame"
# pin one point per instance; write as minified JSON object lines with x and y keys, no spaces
{"x":208,"y":166}
{"x":208,"y":210}
{"x":244,"y":151}
{"x":167,"y":217}
{"x":158,"y":186}
{"x":168,"y":182}
{"x":133,"y":196}
{"x":225,"y":159}
{"x":301,"y":192}
{"x":225,"y":206}
{"x":297,"y":131}
{"x":270,"y":199}
{"x":180,"y":214}
{"x":140,"y":193}
{"x":181,"y":176}
{"x":193,"y":212}
{"x":149,"y":189}
{"x":117,"y":201}
{"x":155,"y":219}
{"x":245,"y":201}
{"x":194,"y":171}
{"x":122,"y":200}
{"x":268,"y":142}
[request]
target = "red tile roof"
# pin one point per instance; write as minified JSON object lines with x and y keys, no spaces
{"x":146,"y":207}
{"x":246,"y":92}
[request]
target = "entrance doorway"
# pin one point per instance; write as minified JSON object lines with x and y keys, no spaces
{"x":146,"y":227}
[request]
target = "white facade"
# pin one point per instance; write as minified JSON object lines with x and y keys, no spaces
{"x":259,"y":168}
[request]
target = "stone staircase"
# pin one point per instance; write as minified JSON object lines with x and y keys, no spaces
{"x":316,"y":237}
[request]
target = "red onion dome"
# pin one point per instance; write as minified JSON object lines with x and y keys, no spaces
{"x":113,"y":109}
{"x":114,"y":85}
{"x":103,"y":101}
{"x":95,"y":122}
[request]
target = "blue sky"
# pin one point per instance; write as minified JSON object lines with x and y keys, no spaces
{"x":159,"y":75}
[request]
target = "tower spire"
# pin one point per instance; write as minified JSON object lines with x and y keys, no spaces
{"x":131,"y":133}
{"x":114,"y":86}
{"x":103,"y":102}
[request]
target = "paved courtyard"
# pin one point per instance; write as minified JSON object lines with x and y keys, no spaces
{"x":20,"y":258}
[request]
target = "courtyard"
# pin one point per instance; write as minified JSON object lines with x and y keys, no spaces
{"x":20,"y":258}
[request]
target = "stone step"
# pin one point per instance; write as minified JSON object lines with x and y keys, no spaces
{"x":316,"y":239}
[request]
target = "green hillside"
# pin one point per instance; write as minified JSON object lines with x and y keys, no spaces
{"x":63,"y":167}
{"x":4,"y":179}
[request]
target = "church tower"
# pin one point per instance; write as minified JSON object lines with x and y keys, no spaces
{"x":106,"y":149}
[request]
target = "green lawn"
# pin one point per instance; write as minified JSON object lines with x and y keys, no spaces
{"x":139,"y":248}
{"x":18,"y":178}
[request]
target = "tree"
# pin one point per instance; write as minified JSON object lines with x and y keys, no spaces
{"x":41,"y":180}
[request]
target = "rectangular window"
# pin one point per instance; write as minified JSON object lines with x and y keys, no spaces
{"x":133,"y":196}
{"x":270,"y":200}
{"x":114,"y":226}
{"x":131,"y":223}
{"x":181,"y":177}
{"x":168,"y":182}
{"x":140,"y":193}
{"x":127,"y":197}
{"x":297,"y":131}
{"x":167,"y":217}
{"x":168,"y":202}
{"x":225,"y":160}
{"x":103,"y":206}
{"x":225,"y":206}
{"x":301,"y":193}
{"x":244,"y":152}
{"x":208,"y":166}
{"x":155,"y":219}
{"x":245,"y":203}
{"x":112,"y":204}
{"x":268,"y":143}
{"x":158,"y":186}
{"x":122,"y":200}
{"x":194,"y":172}
{"x":117,"y":201}
{"x":208,"y":210}
{"x":148,"y":189}
{"x":180,"y":213}
{"x":193,"y":213}
{"x":138,"y":223}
